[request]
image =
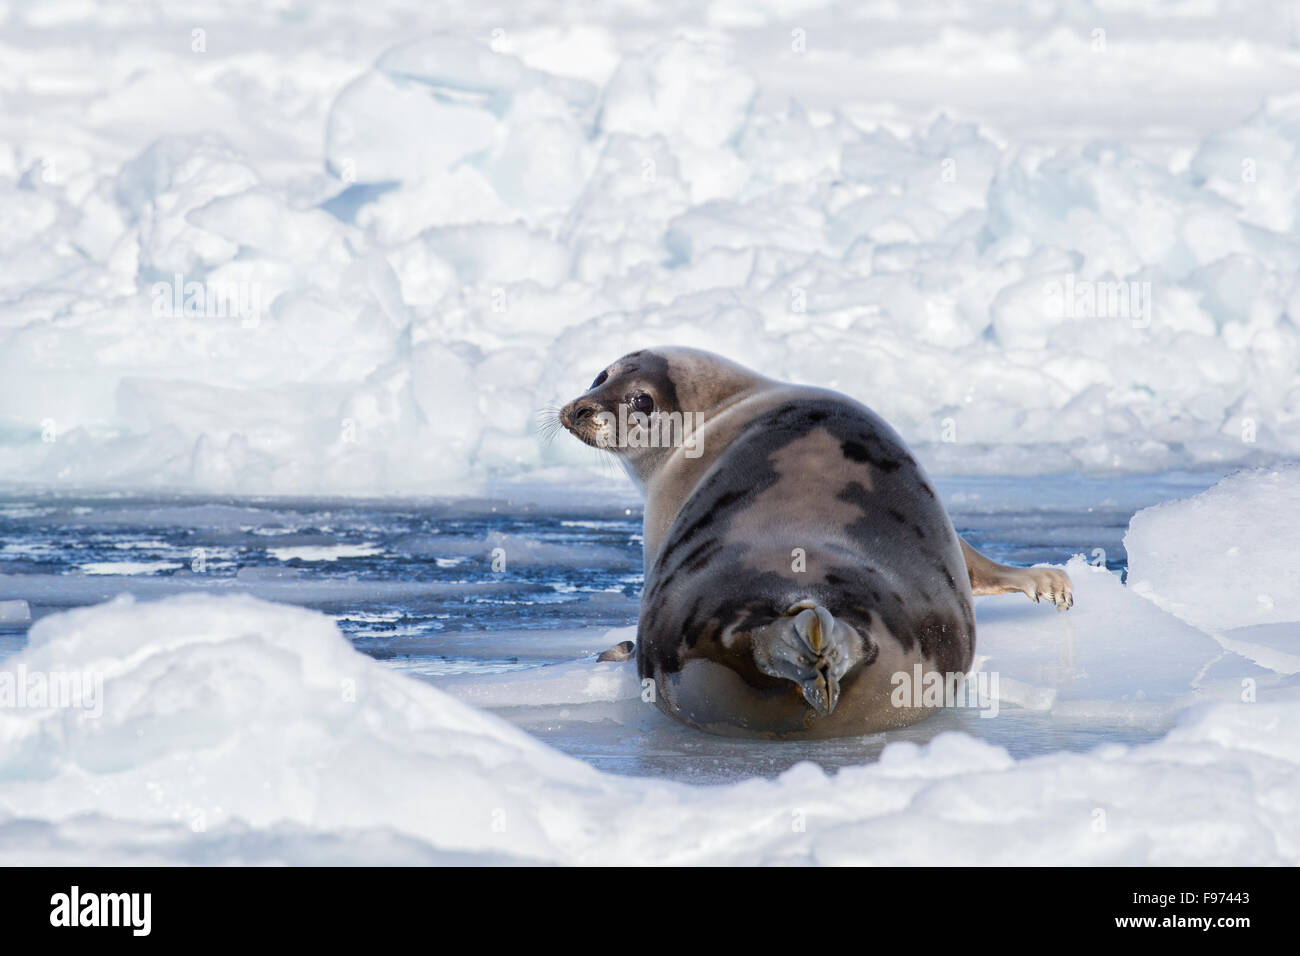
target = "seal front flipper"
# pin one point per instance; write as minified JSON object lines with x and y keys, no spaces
{"x":989,"y":577}
{"x":620,"y":652}
{"x":809,"y":647}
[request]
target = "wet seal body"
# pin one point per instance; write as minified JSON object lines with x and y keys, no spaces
{"x":796,"y":562}
{"x":813,"y":502}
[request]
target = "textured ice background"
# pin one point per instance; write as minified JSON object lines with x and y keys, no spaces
{"x":236,"y":730}
{"x":443,"y":220}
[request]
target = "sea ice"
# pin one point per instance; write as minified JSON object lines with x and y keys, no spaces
{"x":1225,"y":558}
{"x":231,"y":729}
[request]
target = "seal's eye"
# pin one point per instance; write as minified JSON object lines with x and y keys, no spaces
{"x":643,"y":403}
{"x":600,"y":380}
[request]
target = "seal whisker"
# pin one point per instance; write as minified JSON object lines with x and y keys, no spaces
{"x":547,"y":422}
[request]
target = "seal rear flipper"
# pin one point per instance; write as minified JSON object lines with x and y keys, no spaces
{"x":808,"y":646}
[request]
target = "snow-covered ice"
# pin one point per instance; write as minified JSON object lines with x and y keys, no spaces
{"x":335,"y":249}
{"x":232,"y":729}
{"x":1225,"y":558}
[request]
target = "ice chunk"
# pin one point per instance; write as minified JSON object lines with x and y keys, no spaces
{"x":198,"y":675}
{"x":1274,"y":646}
{"x":453,"y":65}
{"x":14,"y":613}
{"x":1225,"y":558}
{"x":576,"y":682}
{"x":383,"y":129}
{"x":682,"y":90}
{"x":332,"y":552}
{"x":1096,"y":662}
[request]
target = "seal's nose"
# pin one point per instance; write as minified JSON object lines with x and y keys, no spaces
{"x":574,"y":414}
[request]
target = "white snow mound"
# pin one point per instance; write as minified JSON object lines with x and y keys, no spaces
{"x":1225,"y":558}
{"x":246,"y":262}
{"x":235,"y":730}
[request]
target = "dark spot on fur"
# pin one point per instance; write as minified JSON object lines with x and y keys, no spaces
{"x":854,"y":451}
{"x":699,"y":557}
{"x":721,"y":506}
{"x":858,"y":451}
{"x":856,"y":493}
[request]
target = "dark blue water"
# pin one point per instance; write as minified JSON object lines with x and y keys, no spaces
{"x":398,"y":574}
